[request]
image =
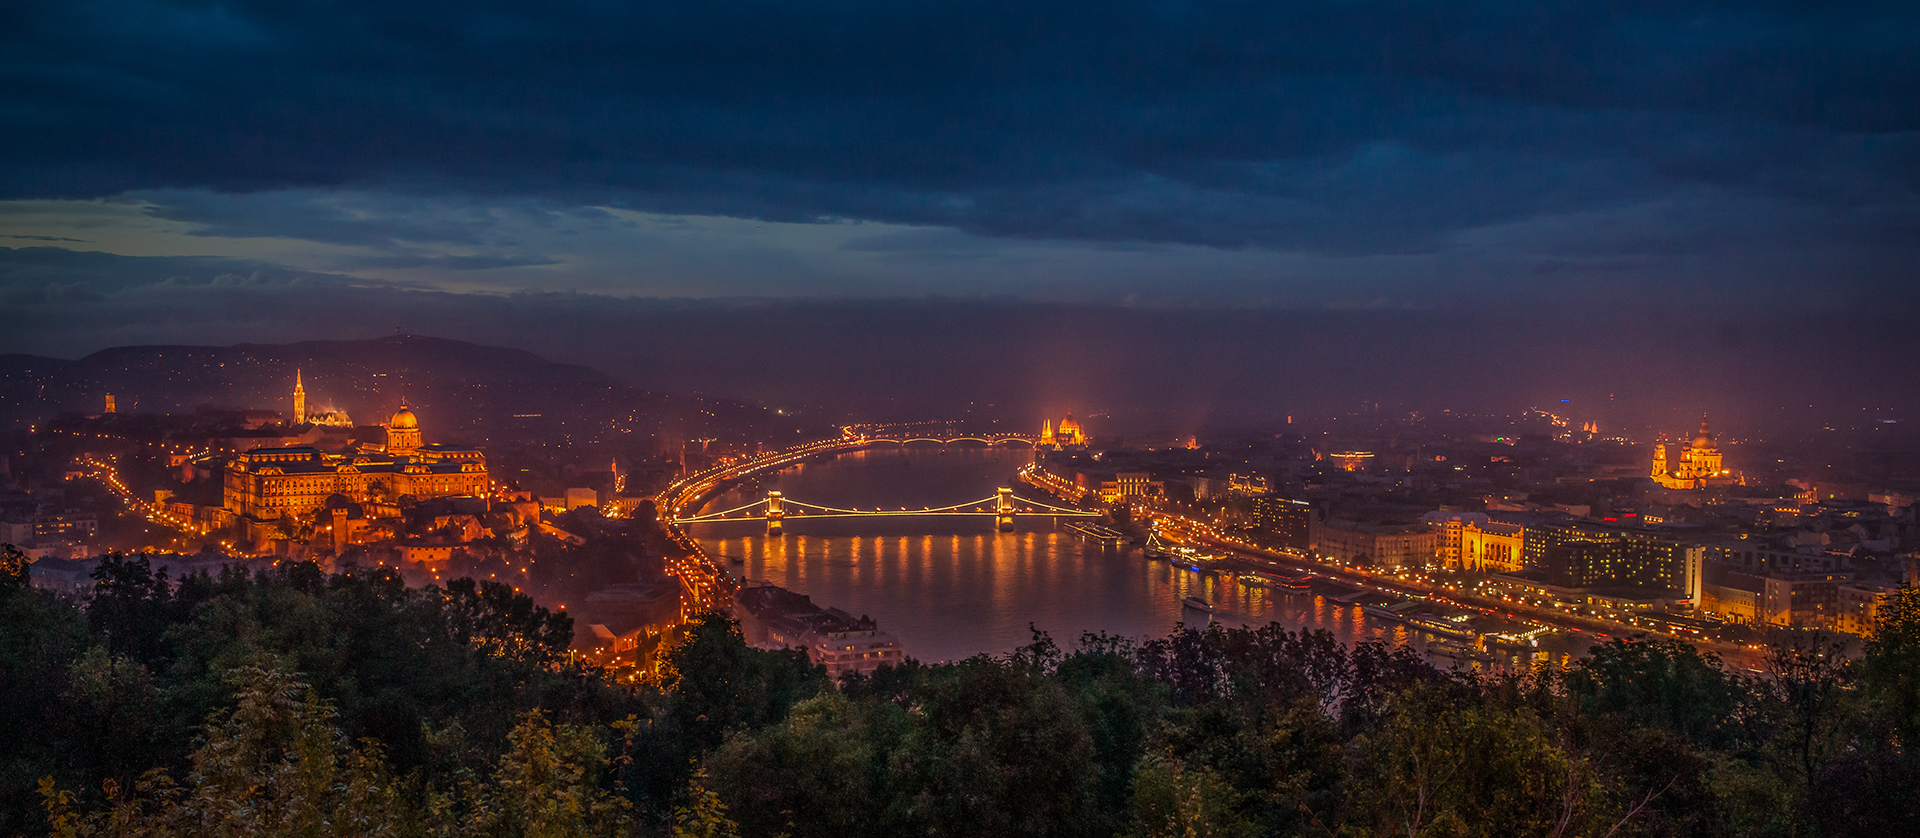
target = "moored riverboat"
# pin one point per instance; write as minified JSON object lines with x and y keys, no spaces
{"x":1190,"y":563}
{"x":1374,"y":605}
{"x":1458,"y":650}
{"x":1299,"y":581}
{"x":1447,"y":626}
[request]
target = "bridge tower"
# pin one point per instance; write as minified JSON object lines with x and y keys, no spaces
{"x":774,"y":512}
{"x":1003,"y":509}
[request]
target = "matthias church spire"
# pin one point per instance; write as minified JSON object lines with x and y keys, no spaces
{"x":299,"y":400}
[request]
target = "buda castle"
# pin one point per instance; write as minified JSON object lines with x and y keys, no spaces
{"x":267,"y":483}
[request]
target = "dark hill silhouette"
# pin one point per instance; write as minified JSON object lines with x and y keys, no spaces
{"x":462,"y":392}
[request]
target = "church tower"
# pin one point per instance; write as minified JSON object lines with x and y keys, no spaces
{"x":299,"y":400}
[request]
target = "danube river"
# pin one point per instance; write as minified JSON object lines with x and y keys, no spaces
{"x":954,"y":587}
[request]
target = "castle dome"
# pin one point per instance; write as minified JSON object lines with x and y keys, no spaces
{"x":404,"y":420}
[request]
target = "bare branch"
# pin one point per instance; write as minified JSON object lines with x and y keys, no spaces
{"x":1643,"y":804}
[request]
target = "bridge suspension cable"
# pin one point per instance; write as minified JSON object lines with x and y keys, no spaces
{"x":984,"y":506}
{"x":1044,"y":505}
{"x":723,"y":514}
{"x":975,"y":505}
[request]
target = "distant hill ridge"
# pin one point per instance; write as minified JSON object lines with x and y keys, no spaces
{"x":462,"y":392}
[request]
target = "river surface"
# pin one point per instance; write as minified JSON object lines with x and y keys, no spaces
{"x":950,"y":588}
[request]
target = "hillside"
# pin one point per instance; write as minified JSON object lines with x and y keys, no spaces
{"x":462,"y":392}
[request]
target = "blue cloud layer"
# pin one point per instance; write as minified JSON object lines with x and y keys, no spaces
{"x":1339,"y":128}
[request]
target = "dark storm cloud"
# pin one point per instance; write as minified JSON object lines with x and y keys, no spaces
{"x":315,"y":217}
{"x":453,"y":263}
{"x":1326,"y":127}
{"x":37,"y":274}
{"x":356,"y":218}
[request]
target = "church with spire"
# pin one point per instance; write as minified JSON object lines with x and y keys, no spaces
{"x":326,"y":416}
{"x":299,"y":399}
{"x":1696,"y":466}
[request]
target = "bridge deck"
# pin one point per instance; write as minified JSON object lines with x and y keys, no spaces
{"x":813,"y":515}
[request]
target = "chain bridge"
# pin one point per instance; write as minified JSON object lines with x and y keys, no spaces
{"x":710,"y":587}
{"x":1002,"y":506}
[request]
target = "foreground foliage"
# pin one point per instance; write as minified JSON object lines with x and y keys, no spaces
{"x":296,"y":703}
{"x":278,"y":765}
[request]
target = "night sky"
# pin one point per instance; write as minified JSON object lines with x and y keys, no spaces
{"x":1744,"y":173}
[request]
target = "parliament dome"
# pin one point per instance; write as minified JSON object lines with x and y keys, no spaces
{"x":1069,"y":432}
{"x":404,"y":420}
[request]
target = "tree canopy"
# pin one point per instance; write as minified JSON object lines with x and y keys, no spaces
{"x":288,"y":701}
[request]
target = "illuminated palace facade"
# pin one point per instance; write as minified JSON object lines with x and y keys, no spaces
{"x":1698,"y":465}
{"x":267,"y":483}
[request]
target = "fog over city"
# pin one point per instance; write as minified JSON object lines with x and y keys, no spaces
{"x":1306,"y":207}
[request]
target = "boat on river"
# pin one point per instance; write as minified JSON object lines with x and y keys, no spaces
{"x":1515,"y":635}
{"x":1298,"y":581}
{"x":1372,"y":606}
{"x":1189,"y":563}
{"x":1446,"y":625}
{"x":1344,"y":593}
{"x":1197,"y":604}
{"x":1459,"y":650}
{"x":1103,"y":536}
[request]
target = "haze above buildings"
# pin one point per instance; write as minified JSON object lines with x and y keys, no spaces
{"x":1276,"y":208}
